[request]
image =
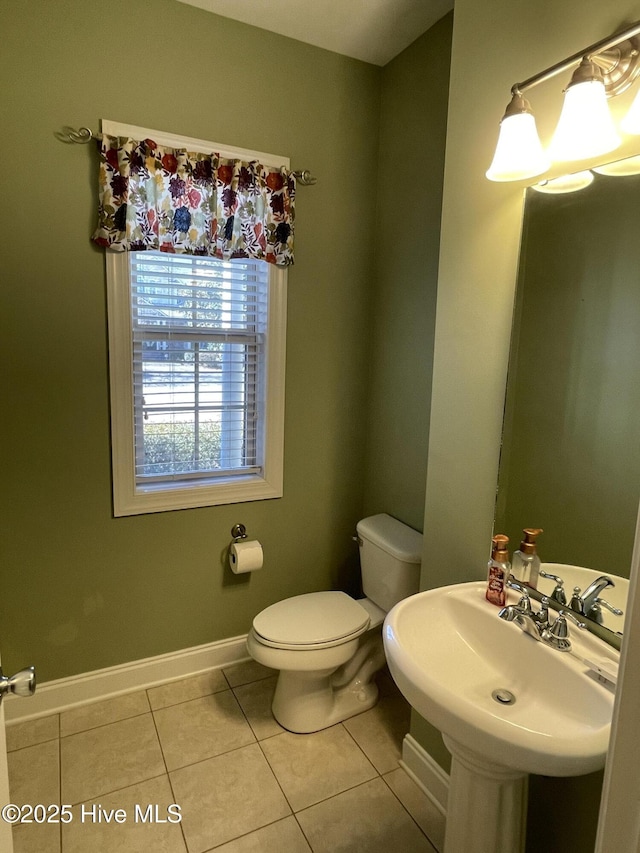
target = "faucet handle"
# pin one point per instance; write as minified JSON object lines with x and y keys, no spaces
{"x":525,"y":604}
{"x":551,"y":577}
{"x":595,"y":611}
{"x":512,"y":583}
{"x":615,"y":610}
{"x":566,"y":614}
{"x":558,"y":593}
{"x":577,"y":603}
{"x":557,"y":635}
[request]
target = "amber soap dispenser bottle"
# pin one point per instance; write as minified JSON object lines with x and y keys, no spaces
{"x":499,"y":569}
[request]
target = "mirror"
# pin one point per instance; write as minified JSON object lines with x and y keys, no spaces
{"x":570,"y":460}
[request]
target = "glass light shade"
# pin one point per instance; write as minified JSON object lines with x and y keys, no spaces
{"x":585,"y":128}
{"x":519,"y":154}
{"x":565,"y":183}
{"x":631,"y":122}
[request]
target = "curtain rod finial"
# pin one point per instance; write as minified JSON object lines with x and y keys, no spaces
{"x":305,"y":178}
{"x":70,"y":135}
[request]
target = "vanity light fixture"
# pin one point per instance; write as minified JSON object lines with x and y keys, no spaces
{"x":585,"y":128}
{"x":565,"y":183}
{"x":621,"y":168}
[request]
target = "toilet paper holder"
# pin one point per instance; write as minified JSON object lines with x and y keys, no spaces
{"x":238,"y":532}
{"x":244,"y":555}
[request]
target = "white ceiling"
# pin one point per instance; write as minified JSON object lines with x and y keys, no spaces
{"x":371,"y":30}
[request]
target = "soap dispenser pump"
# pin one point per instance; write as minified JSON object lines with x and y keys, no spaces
{"x":526,"y":562}
{"x":499,"y":569}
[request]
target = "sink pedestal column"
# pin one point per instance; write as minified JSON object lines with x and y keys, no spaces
{"x":486,"y":805}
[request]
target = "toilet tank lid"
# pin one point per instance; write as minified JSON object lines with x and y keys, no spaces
{"x":392,"y":536}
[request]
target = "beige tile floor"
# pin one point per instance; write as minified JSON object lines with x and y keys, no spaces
{"x":243,"y":784}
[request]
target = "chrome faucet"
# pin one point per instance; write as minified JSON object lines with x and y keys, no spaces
{"x":537,"y":625}
{"x":524,"y":617}
{"x":589,"y":603}
{"x":541,"y":618}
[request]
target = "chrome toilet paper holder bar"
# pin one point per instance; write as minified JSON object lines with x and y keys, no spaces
{"x":238,"y":532}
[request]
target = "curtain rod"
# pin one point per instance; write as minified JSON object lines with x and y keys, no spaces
{"x":84,"y":135}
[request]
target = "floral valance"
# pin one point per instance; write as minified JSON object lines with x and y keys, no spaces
{"x":155,"y":197}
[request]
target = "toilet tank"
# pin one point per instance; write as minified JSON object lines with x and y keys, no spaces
{"x":390,"y":558}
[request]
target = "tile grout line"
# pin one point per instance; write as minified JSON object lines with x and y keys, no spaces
{"x":333,"y":796}
{"x":159,"y":739}
{"x":104,"y":725}
{"x":273,"y":773}
{"x":117,"y":790}
{"x":168,"y":775}
{"x":164,"y":761}
{"x":30,"y":745}
{"x":250,"y":832}
{"x":360,"y":747}
{"x":304,"y":834}
{"x":382,"y":776}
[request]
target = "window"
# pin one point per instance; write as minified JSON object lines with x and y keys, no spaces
{"x":196,"y":349}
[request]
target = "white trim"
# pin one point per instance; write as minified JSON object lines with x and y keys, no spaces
{"x":65,"y":693}
{"x":426,"y":773}
{"x":203,"y":146}
{"x":129,"y":499}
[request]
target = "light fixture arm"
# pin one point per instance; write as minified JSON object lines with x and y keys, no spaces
{"x":630,"y":53}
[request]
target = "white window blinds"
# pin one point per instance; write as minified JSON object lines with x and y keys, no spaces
{"x":199,"y":354}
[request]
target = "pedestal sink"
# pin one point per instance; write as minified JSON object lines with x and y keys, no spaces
{"x":506,"y":704}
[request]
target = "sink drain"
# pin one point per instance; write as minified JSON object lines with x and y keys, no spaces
{"x":503,"y":697}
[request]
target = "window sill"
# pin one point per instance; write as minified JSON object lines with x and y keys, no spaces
{"x":167,"y":497}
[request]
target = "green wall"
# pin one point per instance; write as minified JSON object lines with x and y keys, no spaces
{"x":570,"y":460}
{"x":87,"y":590}
{"x":84,"y":590}
{"x":412,"y":144}
{"x":415,"y":87}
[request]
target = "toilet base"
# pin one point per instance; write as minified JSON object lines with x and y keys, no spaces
{"x":306,"y":702}
{"x":318,"y":706}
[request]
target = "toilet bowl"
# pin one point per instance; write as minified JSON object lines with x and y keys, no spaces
{"x":327,"y":646}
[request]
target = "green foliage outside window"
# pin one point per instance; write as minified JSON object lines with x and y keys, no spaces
{"x":171,"y":448}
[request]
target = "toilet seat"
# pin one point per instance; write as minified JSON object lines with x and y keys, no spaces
{"x":316,"y":620}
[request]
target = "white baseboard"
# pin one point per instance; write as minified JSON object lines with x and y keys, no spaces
{"x":426,"y":773}
{"x":64,"y":693}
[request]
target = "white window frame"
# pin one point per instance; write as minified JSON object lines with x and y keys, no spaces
{"x":130,"y":498}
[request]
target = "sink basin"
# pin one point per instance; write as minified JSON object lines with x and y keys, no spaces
{"x":449,"y":653}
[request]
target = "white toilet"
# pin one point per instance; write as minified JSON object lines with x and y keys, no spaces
{"x":327,"y":645}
